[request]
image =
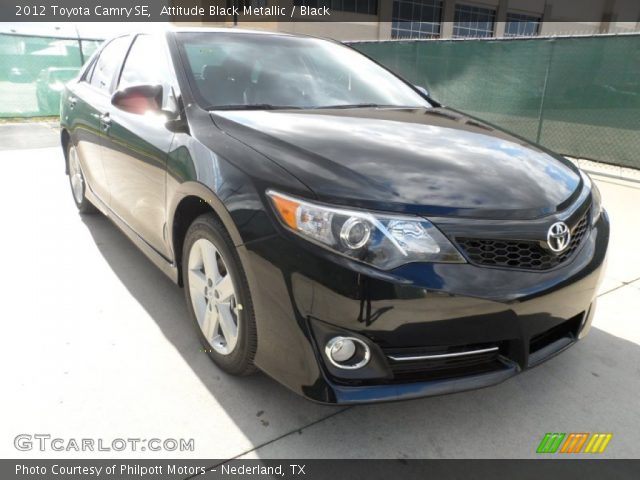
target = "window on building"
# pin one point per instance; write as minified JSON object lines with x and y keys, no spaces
{"x":251,"y":3}
{"x":519,"y":25}
{"x":416,"y":18}
{"x":368,"y":7}
{"x":471,"y":21}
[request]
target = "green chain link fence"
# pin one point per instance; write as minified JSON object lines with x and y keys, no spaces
{"x":33,"y":70}
{"x":579,"y":96}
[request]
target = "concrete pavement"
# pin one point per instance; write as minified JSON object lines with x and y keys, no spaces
{"x":96,"y":343}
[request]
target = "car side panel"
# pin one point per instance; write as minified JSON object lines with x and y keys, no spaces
{"x":81,"y":110}
{"x":135,"y":159}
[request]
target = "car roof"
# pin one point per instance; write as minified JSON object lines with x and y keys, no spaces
{"x":172,"y":29}
{"x":179,"y":29}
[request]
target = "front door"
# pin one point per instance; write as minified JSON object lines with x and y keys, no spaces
{"x":136,"y":148}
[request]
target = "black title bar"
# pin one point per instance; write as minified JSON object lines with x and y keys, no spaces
{"x":320,"y":469}
{"x":239,"y":11}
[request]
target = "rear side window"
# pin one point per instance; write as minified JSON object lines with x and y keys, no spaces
{"x":108,"y":62}
{"x":146,"y":64}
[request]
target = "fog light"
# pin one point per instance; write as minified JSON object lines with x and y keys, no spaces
{"x":342,"y":349}
{"x":347,"y":352}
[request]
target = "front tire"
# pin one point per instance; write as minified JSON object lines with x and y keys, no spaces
{"x":218,"y":296}
{"x":77,"y":181}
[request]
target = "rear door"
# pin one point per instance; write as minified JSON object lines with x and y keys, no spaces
{"x":136,"y":146}
{"x":86,"y":105}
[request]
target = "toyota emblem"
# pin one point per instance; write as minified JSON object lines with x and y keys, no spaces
{"x":558,"y":237}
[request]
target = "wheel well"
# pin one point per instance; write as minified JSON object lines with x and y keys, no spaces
{"x":188,"y":210}
{"x":64,"y":140}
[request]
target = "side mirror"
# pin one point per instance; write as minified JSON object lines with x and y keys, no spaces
{"x":422,"y":90}
{"x":138,"y":99}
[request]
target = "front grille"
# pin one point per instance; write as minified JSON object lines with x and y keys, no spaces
{"x":524,"y":254}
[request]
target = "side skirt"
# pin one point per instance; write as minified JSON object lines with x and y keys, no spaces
{"x":168,"y":268}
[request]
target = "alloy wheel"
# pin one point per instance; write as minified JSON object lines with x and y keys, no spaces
{"x":213,"y":296}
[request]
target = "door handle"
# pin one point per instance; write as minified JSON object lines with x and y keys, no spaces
{"x":105,"y":121}
{"x":72,"y":102}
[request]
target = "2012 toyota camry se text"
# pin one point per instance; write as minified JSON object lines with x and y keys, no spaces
{"x":332,"y":225}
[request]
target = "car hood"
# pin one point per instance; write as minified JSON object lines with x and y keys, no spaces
{"x":420,"y":161}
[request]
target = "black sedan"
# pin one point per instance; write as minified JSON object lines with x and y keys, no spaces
{"x":331,"y":224}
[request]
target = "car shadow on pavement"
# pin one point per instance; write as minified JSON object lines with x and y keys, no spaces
{"x":591,"y":387}
{"x":258,"y":405}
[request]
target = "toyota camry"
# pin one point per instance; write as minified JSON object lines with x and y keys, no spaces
{"x":331,"y":224}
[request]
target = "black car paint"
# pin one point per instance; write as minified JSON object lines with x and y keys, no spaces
{"x":438,"y":148}
{"x":225,"y":161}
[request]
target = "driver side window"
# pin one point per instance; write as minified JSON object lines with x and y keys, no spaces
{"x":146,"y":64}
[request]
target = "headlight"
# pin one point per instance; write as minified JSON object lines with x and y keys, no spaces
{"x":384,"y":241}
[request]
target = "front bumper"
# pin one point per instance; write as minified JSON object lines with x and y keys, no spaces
{"x":303,"y":296}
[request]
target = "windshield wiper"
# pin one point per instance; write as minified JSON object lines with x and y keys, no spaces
{"x":268,"y":106}
{"x":361,"y":105}
{"x":253,"y":106}
{"x":353,"y":105}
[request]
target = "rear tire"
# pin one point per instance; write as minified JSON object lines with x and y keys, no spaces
{"x":77,"y":182}
{"x":218,"y":297}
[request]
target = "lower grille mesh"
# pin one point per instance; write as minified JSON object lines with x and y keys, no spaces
{"x":434,"y":369}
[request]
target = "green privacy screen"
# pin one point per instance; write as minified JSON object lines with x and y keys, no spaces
{"x":33,"y":70}
{"x":578,"y":96}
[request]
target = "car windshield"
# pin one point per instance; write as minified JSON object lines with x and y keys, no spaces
{"x":258,"y":71}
